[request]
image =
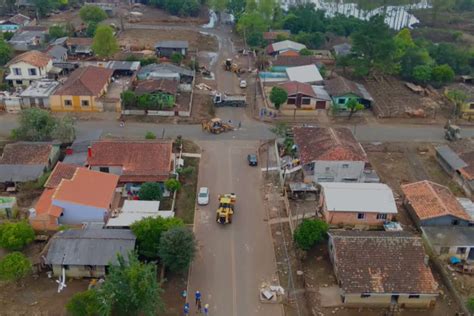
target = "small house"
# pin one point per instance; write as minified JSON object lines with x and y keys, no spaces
{"x":133,"y":211}
{"x":284,"y":46}
{"x":304,"y":96}
{"x":450,"y":241}
{"x":88,"y":253}
{"x":168,"y":48}
{"x":58,"y":53}
{"x":79,"y":46}
{"x":305,"y":74}
{"x":134,"y":161}
{"x":362,"y":205}
{"x":29,"y":66}
{"x":27,"y":161}
{"x":166,"y":71}
{"x":38,"y":92}
{"x":28,"y":38}
{"x":331,"y":155}
{"x":432,"y":204}
{"x":14,"y":23}
{"x":123,"y":68}
{"x":382,"y":269}
{"x":343,"y":90}
{"x":343,"y":49}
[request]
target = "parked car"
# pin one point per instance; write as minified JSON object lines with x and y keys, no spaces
{"x":252,"y":159}
{"x":203,"y":196}
{"x":243,"y":83}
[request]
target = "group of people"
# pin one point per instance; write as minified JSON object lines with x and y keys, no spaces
{"x":198,"y":303}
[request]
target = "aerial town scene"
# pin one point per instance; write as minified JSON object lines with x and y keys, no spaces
{"x":237,"y":157}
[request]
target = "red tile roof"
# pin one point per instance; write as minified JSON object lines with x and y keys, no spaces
{"x":61,"y":171}
{"x":327,"y":144}
{"x":142,"y":161}
{"x":431,"y":200}
{"x":295,"y":87}
{"x":32,"y":57}
{"x":88,"y":187}
{"x":44,"y":205}
{"x":381,"y":262}
{"x":26,"y":153}
{"x":86,"y":81}
{"x":290,"y":53}
{"x":151,"y":86}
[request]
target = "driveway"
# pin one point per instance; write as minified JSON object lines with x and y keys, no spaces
{"x":233,"y":260}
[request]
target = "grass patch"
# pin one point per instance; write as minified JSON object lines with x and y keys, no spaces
{"x":190,"y":147}
{"x":186,"y":197}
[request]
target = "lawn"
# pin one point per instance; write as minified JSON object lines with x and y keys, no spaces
{"x":186,"y":198}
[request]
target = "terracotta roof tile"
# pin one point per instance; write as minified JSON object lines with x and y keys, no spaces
{"x":26,"y":153}
{"x":86,"y":81}
{"x":88,"y":187}
{"x":142,"y":161}
{"x":294,"y":61}
{"x":295,"y":87}
{"x":61,"y":171}
{"x":79,"y":41}
{"x":290,"y":53}
{"x":44,"y":205}
{"x":430,"y":200}
{"x":381,"y":262}
{"x":32,"y":57}
{"x":163,"y":85}
{"x":330,"y":144}
{"x":341,"y":86}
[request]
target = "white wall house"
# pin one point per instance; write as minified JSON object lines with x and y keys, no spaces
{"x":27,"y":67}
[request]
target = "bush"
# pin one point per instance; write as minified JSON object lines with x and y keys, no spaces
{"x":92,"y":13}
{"x":150,"y":191}
{"x":310,"y":232}
{"x":185,"y":171}
{"x":442,"y":74}
{"x":84,"y":303}
{"x":172,"y":185}
{"x":129,"y":98}
{"x":14,"y":266}
{"x":15,"y":236}
{"x":177,"y":58}
{"x":150,"y":135}
{"x":470,"y":304}
{"x":177,"y":248}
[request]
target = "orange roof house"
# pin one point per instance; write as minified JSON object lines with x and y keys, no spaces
{"x":135,"y":161}
{"x":432,"y":204}
{"x":86,"y":196}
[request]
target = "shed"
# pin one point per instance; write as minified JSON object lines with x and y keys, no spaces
{"x":451,"y":241}
{"x":168,"y":48}
{"x":304,"y":74}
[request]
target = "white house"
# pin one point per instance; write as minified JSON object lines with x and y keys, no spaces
{"x":29,"y":66}
{"x":133,"y":211}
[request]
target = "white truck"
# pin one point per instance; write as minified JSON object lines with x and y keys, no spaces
{"x":229,"y":100}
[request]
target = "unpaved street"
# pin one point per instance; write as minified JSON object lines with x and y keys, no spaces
{"x":232,"y":260}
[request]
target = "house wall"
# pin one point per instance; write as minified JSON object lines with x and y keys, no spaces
{"x":35,"y":102}
{"x":57,"y":103}
{"x":167,"y":52}
{"x":336,"y":171}
{"x":350,"y":218}
{"x":44,"y":222}
{"x":384,"y":300}
{"x":467,"y":110}
{"x":446,"y":220}
{"x":75,"y":214}
{"x":79,"y":271}
{"x":9,"y":27}
{"x":53,"y":157}
{"x":25,"y":77}
{"x":117,"y":170}
{"x":453,"y":250}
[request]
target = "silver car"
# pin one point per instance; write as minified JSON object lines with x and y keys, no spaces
{"x":203,"y":196}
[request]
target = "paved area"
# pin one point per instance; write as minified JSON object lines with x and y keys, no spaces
{"x":235,"y":259}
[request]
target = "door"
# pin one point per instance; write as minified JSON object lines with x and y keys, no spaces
{"x":320,"y":105}
{"x":470,"y":256}
{"x":395,"y":299}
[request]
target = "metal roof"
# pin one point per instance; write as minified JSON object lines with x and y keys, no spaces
{"x":468,"y":206}
{"x":95,"y":247}
{"x":306,"y":74}
{"x":342,"y":49}
{"x":57,"y":52}
{"x":450,"y":157}
{"x":124,"y":65}
{"x":20,"y":173}
{"x":449,"y":235}
{"x":358,"y":197}
{"x":172,"y":44}
{"x":321,"y":93}
{"x":286,"y":45}
{"x":40,"y":88}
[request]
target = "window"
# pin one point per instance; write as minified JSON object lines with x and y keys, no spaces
{"x":381,"y":216}
{"x":364,"y":295}
{"x":414,"y":296}
{"x":291,"y":101}
{"x":444,"y":250}
{"x":66,"y":267}
{"x":67,"y":103}
{"x":17,"y":71}
{"x":345,"y":166}
{"x":85,"y":102}
{"x":360,"y":215}
{"x":32,"y":72}
{"x":327,"y":169}
{"x":455,"y":222}
{"x":341,"y":101}
{"x":19,"y":82}
{"x":461,"y":250}
{"x":104,"y":169}
{"x":306,"y":101}
{"x":471,"y":106}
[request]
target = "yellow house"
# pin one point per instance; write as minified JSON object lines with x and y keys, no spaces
{"x":81,"y":91}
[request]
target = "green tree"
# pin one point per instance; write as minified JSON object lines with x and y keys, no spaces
{"x":85,"y":303}
{"x":64,"y":130}
{"x":413,"y":57}
{"x":470,"y":304}
{"x":251,"y":26}
{"x":313,"y":40}
{"x":310,"y":232}
{"x":177,"y":248}
{"x":14,"y":266}
{"x":56,"y":31}
{"x":354,"y":106}
{"x":176,"y":58}
{"x":278,"y":96}
{"x":92,"y":14}
{"x":422,"y":74}
{"x":150,"y":135}
{"x":403,"y":41}
{"x":91,"y":29}
{"x":104,"y":43}
{"x":150,"y":191}
{"x":306,"y":52}
{"x":172,"y":185}
{"x":8,"y":36}
{"x":343,"y":62}
{"x":43,"y":7}
{"x":219,"y":5}
{"x":5,"y":52}
{"x":457,"y":97}
{"x":266,"y":8}
{"x":129,"y":98}
{"x":15,"y":235}
{"x":441,"y":75}
{"x":280,"y":129}
{"x":237,"y":7}
{"x":149,"y":231}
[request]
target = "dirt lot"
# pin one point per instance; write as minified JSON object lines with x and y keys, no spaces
{"x":139,"y":39}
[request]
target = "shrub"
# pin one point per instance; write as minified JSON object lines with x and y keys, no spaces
{"x":470,"y":304}
{"x":177,"y":58}
{"x":150,"y":135}
{"x":172,"y":185}
{"x":185,"y":171}
{"x":150,"y":191}
{"x":14,"y":266}
{"x":310,"y":232}
{"x":84,"y":303}
{"x":15,"y":236}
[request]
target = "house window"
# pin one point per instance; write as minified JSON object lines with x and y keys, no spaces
{"x":360,"y":215}
{"x":66,"y":267}
{"x":461,"y":251}
{"x":414,"y":296}
{"x":345,"y":166}
{"x":291,"y":101}
{"x":85,"y":102}
{"x":32,"y":72}
{"x":454,"y":222}
{"x":17,"y":71}
{"x":471,"y":106}
{"x":306,"y":101}
{"x":19,"y":82}
{"x":364,"y":295}
{"x":341,"y":101}
{"x":67,"y":103}
{"x":382,"y":216}
{"x":444,"y":250}
{"x":104,"y":169}
{"x":327,"y":169}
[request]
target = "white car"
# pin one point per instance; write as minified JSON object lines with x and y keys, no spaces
{"x":243,"y":83}
{"x":203,"y":196}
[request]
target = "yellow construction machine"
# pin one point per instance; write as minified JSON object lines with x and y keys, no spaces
{"x":216,"y":126}
{"x":231,"y":66}
{"x":225,"y":211}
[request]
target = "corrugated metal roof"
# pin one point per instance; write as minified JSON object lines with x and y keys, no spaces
{"x":468,"y":206}
{"x":287,"y":44}
{"x":306,"y":74}
{"x":95,"y":247}
{"x":451,"y":157}
{"x":172,"y":44}
{"x":321,"y":93}
{"x":20,"y":173}
{"x":359,"y":197}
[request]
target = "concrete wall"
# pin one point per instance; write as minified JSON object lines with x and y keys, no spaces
{"x":77,"y":214}
{"x":57,"y":104}
{"x":384,"y":300}
{"x":443,"y":221}
{"x":350,"y":218}
{"x":41,"y":72}
{"x":79,"y":271}
{"x":338,"y":171}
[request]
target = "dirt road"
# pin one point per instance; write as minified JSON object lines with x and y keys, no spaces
{"x":233,"y":260}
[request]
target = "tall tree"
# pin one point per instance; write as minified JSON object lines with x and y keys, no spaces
{"x":34,"y":125}
{"x":92,"y":13}
{"x":5,"y":52}
{"x":266,"y":8}
{"x":104,"y":43}
{"x":278,"y":96}
{"x":219,"y":5}
{"x":177,"y":248}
